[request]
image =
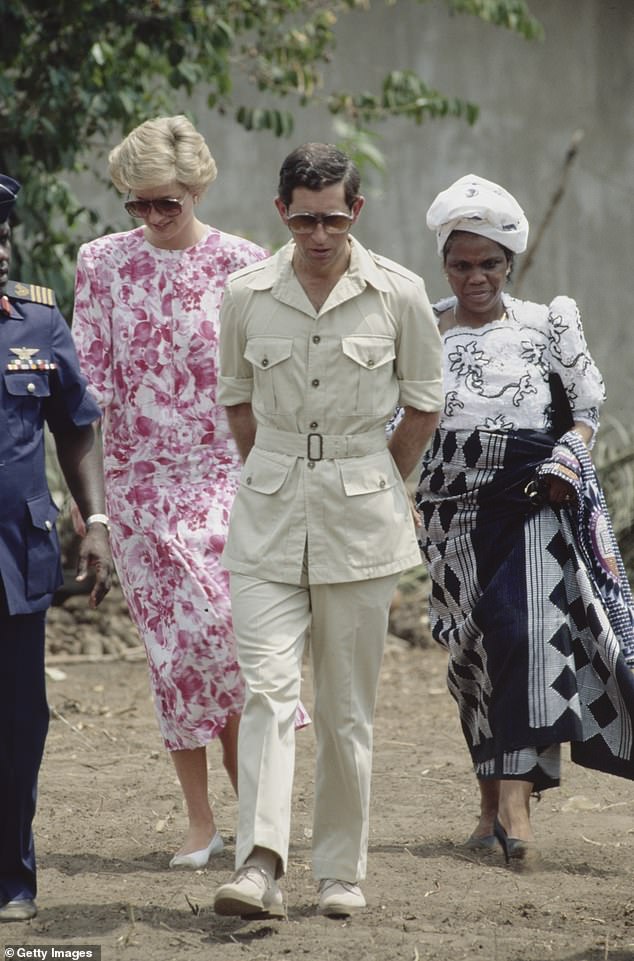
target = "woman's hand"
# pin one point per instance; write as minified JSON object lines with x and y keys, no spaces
{"x":559,"y":491}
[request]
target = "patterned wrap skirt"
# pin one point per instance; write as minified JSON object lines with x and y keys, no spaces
{"x":534,"y":660}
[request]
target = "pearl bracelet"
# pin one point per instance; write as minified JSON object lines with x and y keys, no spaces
{"x":98,"y":519}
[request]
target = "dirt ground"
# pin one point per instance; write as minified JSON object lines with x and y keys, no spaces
{"x":110,"y":815}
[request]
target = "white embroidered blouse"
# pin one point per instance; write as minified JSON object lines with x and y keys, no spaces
{"x":496,"y":376}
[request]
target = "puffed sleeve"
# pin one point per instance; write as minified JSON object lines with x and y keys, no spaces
{"x":571,"y":359}
{"x":419,"y":353}
{"x":91,"y":327}
{"x":235,"y":384}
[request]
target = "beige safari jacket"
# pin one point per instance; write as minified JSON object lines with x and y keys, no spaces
{"x":322,"y":385}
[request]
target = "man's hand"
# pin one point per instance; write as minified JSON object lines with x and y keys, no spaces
{"x":412,"y":506}
{"x":94,"y":552}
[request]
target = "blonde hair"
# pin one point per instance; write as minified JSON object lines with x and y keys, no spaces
{"x":160,"y":151}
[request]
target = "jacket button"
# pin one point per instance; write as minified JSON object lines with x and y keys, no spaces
{"x":311,"y":464}
{"x":382,"y":483}
{"x":315,"y":382}
{"x":30,"y":388}
{"x":316,"y":339}
{"x":248,"y":480}
{"x":48,"y":525}
{"x":265,"y":362}
{"x":314,"y":425}
{"x":370,"y":363}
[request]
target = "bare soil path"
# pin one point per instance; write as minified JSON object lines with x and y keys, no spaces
{"x":110,"y":815}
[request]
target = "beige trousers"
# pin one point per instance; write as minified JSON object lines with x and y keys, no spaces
{"x":348,"y":625}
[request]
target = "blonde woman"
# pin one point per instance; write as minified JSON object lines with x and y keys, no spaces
{"x":146,"y":329}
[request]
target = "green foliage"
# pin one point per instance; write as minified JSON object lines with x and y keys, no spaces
{"x":78,"y":74}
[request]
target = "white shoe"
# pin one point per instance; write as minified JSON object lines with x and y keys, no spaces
{"x":198,"y":859}
{"x":251,"y":892}
{"x":339,"y":899}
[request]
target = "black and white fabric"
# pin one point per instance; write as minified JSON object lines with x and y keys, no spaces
{"x":533,"y":658}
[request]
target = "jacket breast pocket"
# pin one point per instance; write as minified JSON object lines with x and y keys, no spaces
{"x":25,"y":392}
{"x":369,"y":373}
{"x":43,"y":570}
{"x":268,"y":357}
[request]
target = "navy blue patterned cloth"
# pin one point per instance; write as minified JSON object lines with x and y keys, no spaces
{"x":595,"y":535}
{"x":534,"y":659}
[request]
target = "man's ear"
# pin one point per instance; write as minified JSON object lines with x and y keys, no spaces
{"x":357,"y":205}
{"x":281,"y":207}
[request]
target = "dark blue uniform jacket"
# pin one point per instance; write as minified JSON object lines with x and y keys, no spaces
{"x":40,"y":383}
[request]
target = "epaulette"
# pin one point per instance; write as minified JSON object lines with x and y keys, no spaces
{"x":395,"y":267}
{"x":31,"y":292}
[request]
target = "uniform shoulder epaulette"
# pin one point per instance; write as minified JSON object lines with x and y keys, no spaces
{"x":31,"y":292}
{"x":395,"y":267}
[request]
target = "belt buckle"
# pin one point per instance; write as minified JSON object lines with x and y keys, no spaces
{"x":309,"y":444}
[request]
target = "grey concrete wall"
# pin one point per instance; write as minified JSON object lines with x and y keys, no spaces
{"x":532,"y":97}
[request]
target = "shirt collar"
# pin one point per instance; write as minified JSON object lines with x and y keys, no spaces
{"x":13,"y":313}
{"x":277,"y":274}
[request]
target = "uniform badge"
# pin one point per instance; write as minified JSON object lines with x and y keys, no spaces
{"x":26,"y":360}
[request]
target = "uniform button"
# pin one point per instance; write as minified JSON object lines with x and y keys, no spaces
{"x":315,"y":382}
{"x":30,"y":388}
{"x":265,"y":362}
{"x":48,"y":525}
{"x":370,"y":363}
{"x":248,"y":480}
{"x":314,"y":425}
{"x":316,"y":339}
{"x":311,"y":464}
{"x":381,"y":483}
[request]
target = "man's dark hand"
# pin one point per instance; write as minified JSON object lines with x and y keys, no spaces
{"x":94,"y":552}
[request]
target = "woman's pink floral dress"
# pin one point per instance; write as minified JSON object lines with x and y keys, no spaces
{"x":146,"y":330}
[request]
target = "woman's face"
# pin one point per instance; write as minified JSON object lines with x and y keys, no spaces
{"x":167,"y":230}
{"x":477,"y":269}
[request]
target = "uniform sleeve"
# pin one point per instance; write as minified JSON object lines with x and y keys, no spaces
{"x":571,"y":359}
{"x":69,"y":404}
{"x":91,"y":327}
{"x":235,"y":384}
{"x":419,"y":353}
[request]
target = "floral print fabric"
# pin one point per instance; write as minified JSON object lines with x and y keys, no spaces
{"x":146,"y":330}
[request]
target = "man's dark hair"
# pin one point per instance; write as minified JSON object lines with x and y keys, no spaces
{"x":315,"y":166}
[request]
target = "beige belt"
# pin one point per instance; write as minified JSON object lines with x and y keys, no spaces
{"x":321,"y":446}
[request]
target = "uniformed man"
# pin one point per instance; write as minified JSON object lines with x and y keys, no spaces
{"x":318,"y":346}
{"x":40,"y":383}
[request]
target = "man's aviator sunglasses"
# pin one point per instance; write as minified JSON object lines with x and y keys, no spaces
{"x":335,"y":223}
{"x":165,"y":206}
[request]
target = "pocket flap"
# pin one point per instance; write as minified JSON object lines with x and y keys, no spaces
{"x":365,"y":480}
{"x":265,"y":352}
{"x":369,"y":352}
{"x":264,"y":475}
{"x":43,"y":511}
{"x":30,"y":383}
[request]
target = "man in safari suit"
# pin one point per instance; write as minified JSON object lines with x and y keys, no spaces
{"x":318,"y":345}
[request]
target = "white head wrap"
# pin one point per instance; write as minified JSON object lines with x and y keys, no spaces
{"x":480,"y":207}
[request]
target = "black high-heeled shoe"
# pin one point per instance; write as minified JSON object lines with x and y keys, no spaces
{"x":514,"y":848}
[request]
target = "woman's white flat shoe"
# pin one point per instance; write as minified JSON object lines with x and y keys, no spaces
{"x":198,"y":859}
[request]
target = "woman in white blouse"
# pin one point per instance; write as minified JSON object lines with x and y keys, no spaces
{"x":532,"y":605}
